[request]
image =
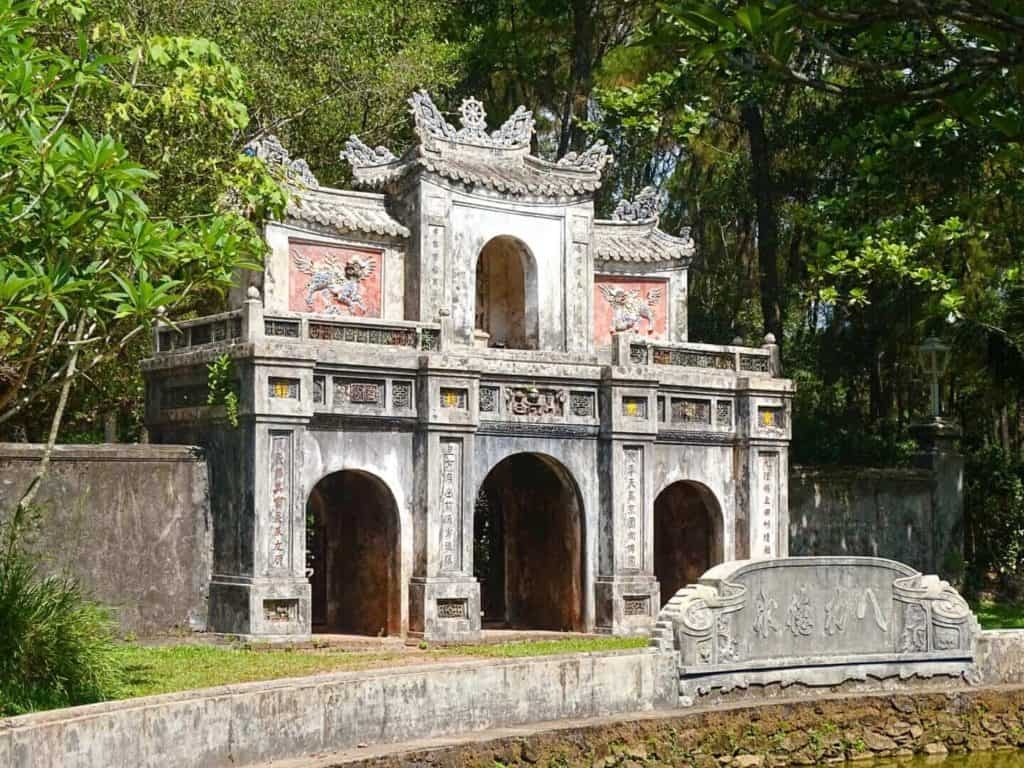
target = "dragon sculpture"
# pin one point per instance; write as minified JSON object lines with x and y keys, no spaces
{"x":629,"y":308}
{"x":341,"y":283}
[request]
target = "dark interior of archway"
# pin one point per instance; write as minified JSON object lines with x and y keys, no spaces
{"x":683,"y":538}
{"x":528,"y":552}
{"x":501,"y":294}
{"x":352,"y":547}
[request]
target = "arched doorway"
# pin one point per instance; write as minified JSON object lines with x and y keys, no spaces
{"x":352,"y":549}
{"x":528,"y":545}
{"x":506,"y":291}
{"x":687,"y":535}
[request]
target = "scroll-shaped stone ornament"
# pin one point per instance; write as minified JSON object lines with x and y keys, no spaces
{"x":430,"y":124}
{"x":815,"y":621}
{"x":270,"y":150}
{"x":429,"y":120}
{"x":642,"y":208}
{"x":359,"y":155}
{"x":516,"y":131}
{"x":593,"y":158}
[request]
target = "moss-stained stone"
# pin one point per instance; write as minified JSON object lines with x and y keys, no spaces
{"x":819,"y":732}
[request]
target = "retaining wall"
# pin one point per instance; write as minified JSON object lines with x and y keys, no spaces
{"x":255,"y":722}
{"x":131,"y":522}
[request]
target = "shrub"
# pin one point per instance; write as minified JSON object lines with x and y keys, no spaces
{"x":56,"y":646}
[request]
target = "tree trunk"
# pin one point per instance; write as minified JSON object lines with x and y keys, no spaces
{"x":583,"y":17}
{"x":767,"y":220}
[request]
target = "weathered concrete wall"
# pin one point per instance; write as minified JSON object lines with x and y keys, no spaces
{"x":255,"y":722}
{"x":870,"y":512}
{"x":131,"y":522}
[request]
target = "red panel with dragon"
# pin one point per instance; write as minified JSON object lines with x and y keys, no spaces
{"x":334,"y":280}
{"x":629,"y":304}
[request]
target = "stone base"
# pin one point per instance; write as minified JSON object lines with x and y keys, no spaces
{"x":260,"y":608}
{"x":444,"y":609}
{"x":626,"y":605}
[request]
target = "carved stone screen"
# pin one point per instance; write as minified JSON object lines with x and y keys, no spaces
{"x":333,"y":280}
{"x":629,"y":304}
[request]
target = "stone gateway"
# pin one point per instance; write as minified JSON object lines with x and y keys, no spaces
{"x":465,"y":401}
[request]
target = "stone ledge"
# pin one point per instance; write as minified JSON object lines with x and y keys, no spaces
{"x":131,"y":452}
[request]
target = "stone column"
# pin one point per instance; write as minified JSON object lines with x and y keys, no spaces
{"x":761,"y":519}
{"x":265,"y":592}
{"x":939,"y":454}
{"x":444,"y":596}
{"x":626,"y":592}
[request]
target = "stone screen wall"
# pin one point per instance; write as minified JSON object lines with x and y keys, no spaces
{"x":870,"y":512}
{"x":131,"y":522}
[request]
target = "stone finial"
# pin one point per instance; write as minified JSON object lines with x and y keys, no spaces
{"x":270,"y":150}
{"x":769,"y":338}
{"x":161,"y":311}
{"x":644,"y":207}
{"x":252,"y":293}
{"x":737,"y":341}
{"x":360,"y":155}
{"x":444,"y":312}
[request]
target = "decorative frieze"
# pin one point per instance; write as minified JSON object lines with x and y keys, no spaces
{"x":285,"y":328}
{"x":359,"y":392}
{"x":361,"y":334}
{"x":539,"y":429}
{"x":634,"y":407}
{"x":281,"y":611}
{"x":401,"y":395}
{"x":755,"y":363}
{"x":687,"y":410}
{"x":531,"y":401}
{"x":638,"y":354}
{"x":582,"y":404}
{"x":688,"y":358}
{"x":488,"y":399}
{"x":455,"y":397}
{"x":632,"y":507}
{"x":452,"y":608}
{"x":451,"y":506}
{"x":636,"y":605}
{"x":280,"y":388}
{"x":280,"y":499}
{"x":723,"y":413}
{"x":430,"y":339}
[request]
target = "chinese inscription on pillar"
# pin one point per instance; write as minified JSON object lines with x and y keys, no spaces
{"x":632,"y":509}
{"x":767,"y":499}
{"x":451,"y":505}
{"x":280,"y":494}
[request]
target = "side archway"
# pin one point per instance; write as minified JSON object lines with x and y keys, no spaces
{"x":352,"y":549}
{"x":506,"y":294}
{"x":688,"y":535}
{"x":528,"y":545}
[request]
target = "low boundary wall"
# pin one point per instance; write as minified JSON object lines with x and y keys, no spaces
{"x":258,"y":722}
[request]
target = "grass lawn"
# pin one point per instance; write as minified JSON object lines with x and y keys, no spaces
{"x":165,"y":669}
{"x":999,"y":615}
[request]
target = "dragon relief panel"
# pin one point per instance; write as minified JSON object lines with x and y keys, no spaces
{"x":334,"y":280}
{"x":624,"y":304}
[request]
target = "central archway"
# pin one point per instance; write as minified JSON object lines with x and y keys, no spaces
{"x":352,"y":550}
{"x":506,"y":294}
{"x":687,"y":535}
{"x":528,"y":545}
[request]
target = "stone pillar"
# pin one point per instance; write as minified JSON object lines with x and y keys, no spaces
{"x":444,"y":596}
{"x":262,"y":590}
{"x":626,"y":592}
{"x":939,"y":454}
{"x":761,"y":520}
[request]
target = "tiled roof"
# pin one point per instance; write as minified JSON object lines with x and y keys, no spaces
{"x":639,"y":243}
{"x":344,"y":211}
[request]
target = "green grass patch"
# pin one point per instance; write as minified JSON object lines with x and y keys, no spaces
{"x":999,"y":615}
{"x":550,"y":647}
{"x":150,"y":670}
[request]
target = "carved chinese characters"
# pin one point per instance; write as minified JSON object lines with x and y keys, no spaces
{"x":766,"y":497}
{"x":332,"y":280}
{"x":626,"y":304}
{"x":280,"y":497}
{"x":451,"y":505}
{"x":632,"y":507}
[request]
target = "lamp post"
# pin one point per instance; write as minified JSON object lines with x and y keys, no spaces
{"x":934,"y":357}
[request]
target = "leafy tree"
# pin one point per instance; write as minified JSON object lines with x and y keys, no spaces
{"x":88,"y":266}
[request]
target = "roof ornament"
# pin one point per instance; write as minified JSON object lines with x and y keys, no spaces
{"x":360,"y":155}
{"x":270,"y":150}
{"x":593,"y":158}
{"x":642,"y":208}
{"x":430,"y":123}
